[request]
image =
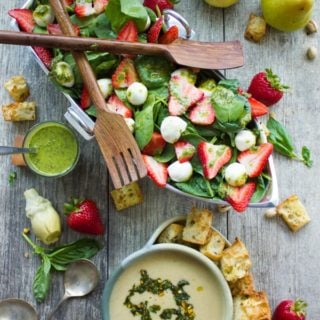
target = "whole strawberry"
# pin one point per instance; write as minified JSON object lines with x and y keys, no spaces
{"x":266,"y":87}
{"x":290,"y":310}
{"x":162,"y":4}
{"x":83,"y":216}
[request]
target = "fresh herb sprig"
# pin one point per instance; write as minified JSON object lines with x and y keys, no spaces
{"x":283,"y":143}
{"x":58,"y":259}
{"x":12,"y":177}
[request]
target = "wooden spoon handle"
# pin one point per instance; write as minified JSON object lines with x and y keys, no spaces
{"x":85,"y":69}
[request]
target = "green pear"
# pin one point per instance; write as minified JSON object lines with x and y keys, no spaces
{"x":287,"y":15}
{"x":221,"y":3}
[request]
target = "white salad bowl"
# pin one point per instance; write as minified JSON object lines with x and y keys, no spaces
{"x":84,"y":124}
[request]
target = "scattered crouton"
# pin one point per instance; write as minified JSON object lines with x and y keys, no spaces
{"x":256,"y":28}
{"x":243,"y":286}
{"x":18,"y":88}
{"x":19,"y":111}
{"x":213,"y":249}
{"x":171,"y":234}
{"x":293,"y":212}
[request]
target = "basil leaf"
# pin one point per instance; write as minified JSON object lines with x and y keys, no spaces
{"x":42,"y":279}
{"x":306,"y":155}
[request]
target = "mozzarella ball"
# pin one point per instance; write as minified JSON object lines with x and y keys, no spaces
{"x":43,"y":15}
{"x":171,"y":128}
{"x":105,"y":86}
{"x":63,"y":74}
{"x":137,"y":93}
{"x":130,"y":123}
{"x":180,"y":172}
{"x":245,"y":140}
{"x":235,"y":174}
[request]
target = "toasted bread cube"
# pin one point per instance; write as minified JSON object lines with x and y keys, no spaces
{"x":19,"y":111}
{"x":213,"y":249}
{"x":243,"y":286}
{"x":18,"y":88}
{"x":293,"y":212}
{"x":171,"y":234}
{"x":256,"y":28}
{"x":198,"y":226}
{"x":127,"y":196}
{"x":235,"y":262}
{"x":252,"y":307}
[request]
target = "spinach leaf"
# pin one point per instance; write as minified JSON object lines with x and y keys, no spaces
{"x":197,"y":186}
{"x":231,"y":84}
{"x":306,"y":155}
{"x":91,"y":111}
{"x":41,"y":282}
{"x":261,"y":189}
{"x":167,"y":155}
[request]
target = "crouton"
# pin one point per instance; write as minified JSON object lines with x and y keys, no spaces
{"x":256,"y":28}
{"x":243,"y":286}
{"x":18,"y":88}
{"x":171,"y":234}
{"x":213,"y":249}
{"x":19,"y":111}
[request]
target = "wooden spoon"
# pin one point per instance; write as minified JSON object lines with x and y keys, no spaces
{"x":205,"y":55}
{"x":117,"y":144}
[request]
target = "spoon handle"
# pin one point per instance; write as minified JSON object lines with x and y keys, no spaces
{"x":13,"y":150}
{"x":64,"y":298}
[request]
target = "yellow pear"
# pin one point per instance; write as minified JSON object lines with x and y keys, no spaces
{"x":287,"y":15}
{"x":221,"y":3}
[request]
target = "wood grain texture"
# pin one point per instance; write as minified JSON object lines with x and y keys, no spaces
{"x":285,"y":264}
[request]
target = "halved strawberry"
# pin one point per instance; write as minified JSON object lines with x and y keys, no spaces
{"x":161,"y":4}
{"x":239,"y":197}
{"x":125,"y":74}
{"x":154,"y":31}
{"x":129,"y":32}
{"x":54,"y":28}
{"x":118,"y":106}
{"x":183,"y":95}
{"x":202,"y":113}
{"x":155,"y":145}
{"x":257,"y":108}
{"x":85,"y":100}
{"x":184,"y":151}
{"x":45,"y":55}
{"x":256,"y":159}
{"x":100,"y":5}
{"x":213,"y":158}
{"x":157,"y":171}
{"x":172,"y":34}
{"x":84,"y":9}
{"x":68,"y":2}
{"x":24,"y":19}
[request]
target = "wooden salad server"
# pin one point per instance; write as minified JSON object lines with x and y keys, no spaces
{"x":117,"y":144}
{"x":204,"y":55}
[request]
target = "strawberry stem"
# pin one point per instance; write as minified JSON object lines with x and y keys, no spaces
{"x":299,"y":307}
{"x":275,"y":81}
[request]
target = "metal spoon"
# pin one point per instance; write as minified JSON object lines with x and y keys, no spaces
{"x":17,"y":309}
{"x":80,"y":278}
{"x":13,"y":150}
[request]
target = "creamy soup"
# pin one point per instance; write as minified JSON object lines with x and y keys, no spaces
{"x":205,"y":301}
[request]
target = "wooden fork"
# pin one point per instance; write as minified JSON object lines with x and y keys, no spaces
{"x":116,"y":142}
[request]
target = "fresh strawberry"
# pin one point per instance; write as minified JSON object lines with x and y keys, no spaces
{"x":257,"y":108}
{"x":154,"y":31}
{"x":83,"y":216}
{"x":161,"y":4}
{"x":266,"y":87}
{"x":157,"y":171}
{"x":290,"y":310}
{"x":202,"y":113}
{"x":125,"y":74}
{"x":68,"y":2}
{"x":118,"y":106}
{"x":84,"y":8}
{"x":100,"y":5}
{"x":239,"y":197}
{"x":183,"y":95}
{"x":24,"y":19}
{"x":45,"y":55}
{"x":85,"y":100}
{"x":129,"y":32}
{"x":184,"y":151}
{"x":172,"y":34}
{"x":213,"y":158}
{"x":155,"y":145}
{"x":256,"y":159}
{"x":54,"y":28}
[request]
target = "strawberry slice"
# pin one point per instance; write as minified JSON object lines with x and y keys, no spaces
{"x":184,"y":151}
{"x":171,"y":35}
{"x":129,"y":32}
{"x":256,"y":159}
{"x":100,"y":5}
{"x":84,"y":9}
{"x":257,"y":108}
{"x":203,"y":113}
{"x":116,"y":105}
{"x":45,"y":55}
{"x":54,"y":28}
{"x":68,"y":2}
{"x":155,"y":145}
{"x":183,"y":95}
{"x":157,"y":171}
{"x":213,"y":158}
{"x":125,"y":74}
{"x":154,"y":31}
{"x":85,"y":100}
{"x":239,"y":197}
{"x":24,"y":19}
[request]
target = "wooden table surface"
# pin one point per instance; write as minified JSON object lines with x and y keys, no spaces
{"x":284,"y":264}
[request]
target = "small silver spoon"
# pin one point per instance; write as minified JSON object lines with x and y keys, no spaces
{"x":80,"y":278}
{"x":17,"y":309}
{"x":13,"y":150}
